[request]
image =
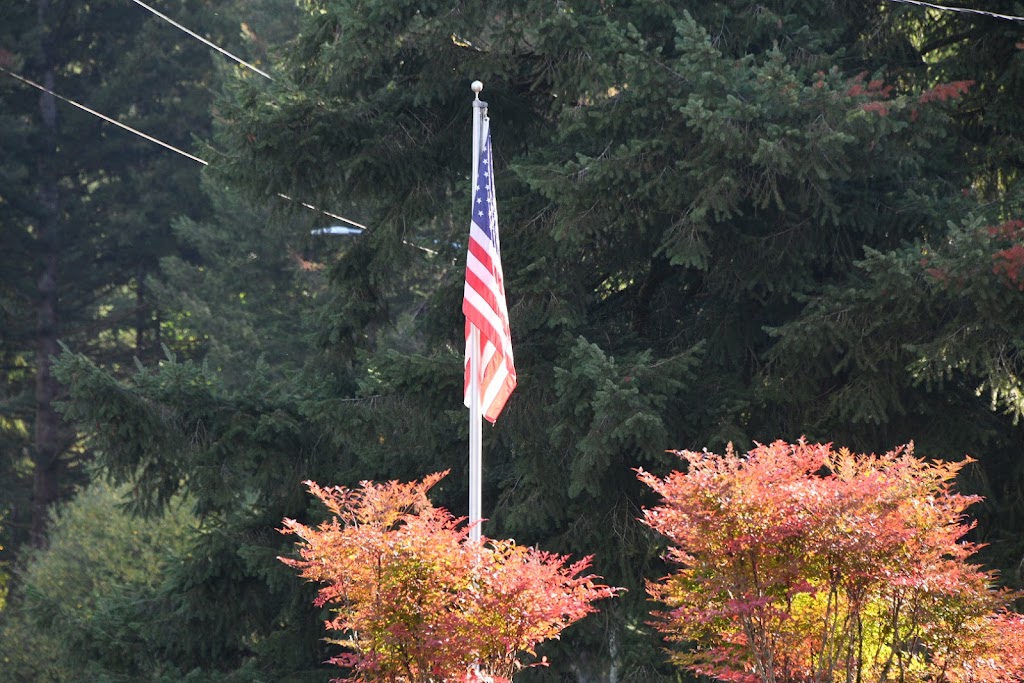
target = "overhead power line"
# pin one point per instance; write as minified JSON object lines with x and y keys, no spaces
{"x":198,"y":37}
{"x":962,"y":10}
{"x":105,"y":118}
{"x":163,"y":144}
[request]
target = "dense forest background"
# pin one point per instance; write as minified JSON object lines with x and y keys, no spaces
{"x":721,"y":222}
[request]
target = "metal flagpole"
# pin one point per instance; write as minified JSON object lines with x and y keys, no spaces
{"x":475,"y":433}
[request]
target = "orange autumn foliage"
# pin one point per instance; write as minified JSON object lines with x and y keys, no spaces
{"x":801,"y":564}
{"x":414,"y":601}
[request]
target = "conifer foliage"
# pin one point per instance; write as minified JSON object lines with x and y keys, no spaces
{"x":414,"y":601}
{"x":801,"y":563}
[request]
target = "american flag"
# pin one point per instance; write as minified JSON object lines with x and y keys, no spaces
{"x":483,"y":302}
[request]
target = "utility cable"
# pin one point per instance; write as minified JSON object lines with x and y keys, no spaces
{"x":203,"y":40}
{"x":256,"y":70}
{"x":166,"y":145}
{"x":962,"y":10}
{"x":105,"y":118}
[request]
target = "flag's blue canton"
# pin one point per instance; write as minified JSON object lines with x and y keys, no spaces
{"x":482,"y":200}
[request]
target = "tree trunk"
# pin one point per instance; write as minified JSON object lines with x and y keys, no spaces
{"x":45,"y":484}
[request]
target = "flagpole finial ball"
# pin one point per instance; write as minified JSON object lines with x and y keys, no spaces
{"x":477,"y":86}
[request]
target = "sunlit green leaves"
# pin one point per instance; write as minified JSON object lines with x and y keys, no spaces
{"x":90,"y":607}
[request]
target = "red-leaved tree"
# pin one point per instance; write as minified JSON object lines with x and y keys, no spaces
{"x":415,"y":601}
{"x":801,"y":564}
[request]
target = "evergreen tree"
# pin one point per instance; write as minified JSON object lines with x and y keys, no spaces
{"x":87,"y":206}
{"x":245,"y":290}
{"x":76,"y":258}
{"x":15,"y":284}
{"x":238,"y":456}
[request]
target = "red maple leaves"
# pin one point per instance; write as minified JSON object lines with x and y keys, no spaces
{"x":415,"y":602}
{"x":798,"y":563}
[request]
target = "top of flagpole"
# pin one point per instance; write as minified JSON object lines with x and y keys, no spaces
{"x":477,"y":86}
